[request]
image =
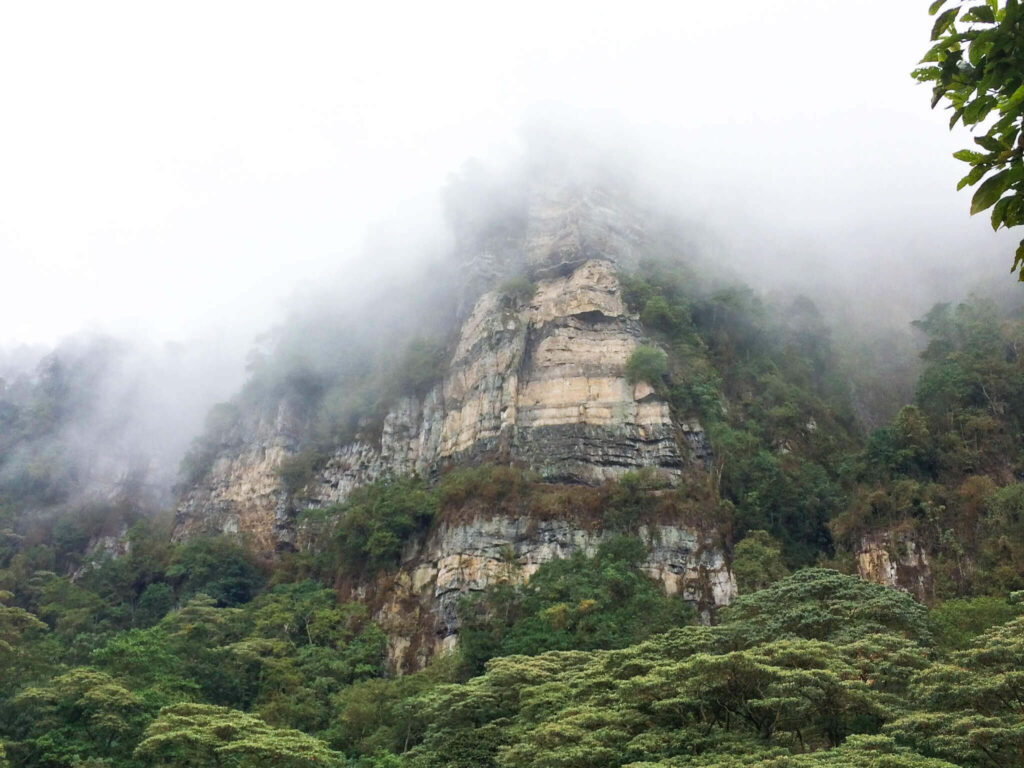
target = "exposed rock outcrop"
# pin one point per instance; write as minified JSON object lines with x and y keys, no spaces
{"x":538,"y":381}
{"x":416,"y":605}
{"x":895,"y":560}
{"x":543,"y":384}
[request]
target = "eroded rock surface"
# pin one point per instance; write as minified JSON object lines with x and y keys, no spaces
{"x":543,"y":384}
{"x":897,"y":561}
{"x":540,"y":382}
{"x":416,"y":605}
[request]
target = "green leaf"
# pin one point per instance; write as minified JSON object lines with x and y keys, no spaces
{"x":946,"y":18}
{"x":934,"y":8}
{"x":969,"y":156}
{"x":983,"y":14}
{"x":1018,"y":262}
{"x":990,"y":191}
{"x":990,"y":143}
{"x":1014,"y":211}
{"x":1015,"y":100}
{"x":978,"y":109}
{"x":933,"y":53}
{"x":971,"y":178}
{"x":978,"y":48}
{"x":999,"y":212}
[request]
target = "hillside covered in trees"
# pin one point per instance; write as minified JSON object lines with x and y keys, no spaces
{"x":611,"y":456}
{"x":148,"y":649}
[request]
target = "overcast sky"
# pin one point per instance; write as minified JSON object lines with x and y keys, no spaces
{"x":172,"y":169}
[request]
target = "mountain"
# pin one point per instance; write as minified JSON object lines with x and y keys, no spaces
{"x":533,"y":375}
{"x":566,"y":493}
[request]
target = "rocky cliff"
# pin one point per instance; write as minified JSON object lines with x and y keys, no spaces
{"x":539,"y":381}
{"x":896,"y":560}
{"x":416,"y":605}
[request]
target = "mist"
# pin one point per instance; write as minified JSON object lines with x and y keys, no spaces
{"x":182,"y":184}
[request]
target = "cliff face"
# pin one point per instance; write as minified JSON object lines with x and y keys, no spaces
{"x":543,"y":384}
{"x":895,"y":560}
{"x":416,"y":605}
{"x":538,"y":381}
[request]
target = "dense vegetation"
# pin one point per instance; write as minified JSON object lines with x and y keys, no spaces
{"x":589,"y":665}
{"x":145,"y":651}
{"x":578,"y":603}
{"x":768,"y":389}
{"x":108,"y":669}
{"x":945,"y":474}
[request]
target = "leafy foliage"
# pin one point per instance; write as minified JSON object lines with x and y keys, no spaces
{"x":195,"y":653}
{"x":517,"y":290}
{"x":757,"y":562}
{"x":699,"y":696}
{"x":647,"y":363}
{"x":942,"y":473}
{"x":579,"y":603}
{"x":768,"y":390}
{"x":821,"y":604}
{"x":975,"y":66}
{"x":969,"y":705}
{"x":373,"y":524}
{"x":957,"y":622}
{"x":204,"y":735}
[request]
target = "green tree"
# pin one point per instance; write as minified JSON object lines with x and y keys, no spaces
{"x":757,"y":561}
{"x":859,"y":751}
{"x":377,"y":519}
{"x":16,"y":626}
{"x":970,"y":706}
{"x":218,"y":566}
{"x":382,"y":714}
{"x":816,"y":603}
{"x":580,"y":602}
{"x":302,"y":649}
{"x":975,"y":66}
{"x":146,"y":660}
{"x":198,"y":735}
{"x":647,"y":363}
{"x":80,"y":714}
{"x":957,"y":622}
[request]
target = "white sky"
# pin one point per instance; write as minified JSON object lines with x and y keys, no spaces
{"x":174,"y":169}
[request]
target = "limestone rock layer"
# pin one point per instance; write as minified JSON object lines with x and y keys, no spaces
{"x":416,"y":605}
{"x":542,"y":384}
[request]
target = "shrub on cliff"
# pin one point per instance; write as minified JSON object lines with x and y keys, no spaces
{"x":297,"y":470}
{"x":631,"y":500}
{"x":487,"y":483}
{"x":579,"y":603}
{"x":757,"y":561}
{"x":517,"y":290}
{"x":376,"y":521}
{"x":648,"y":364}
